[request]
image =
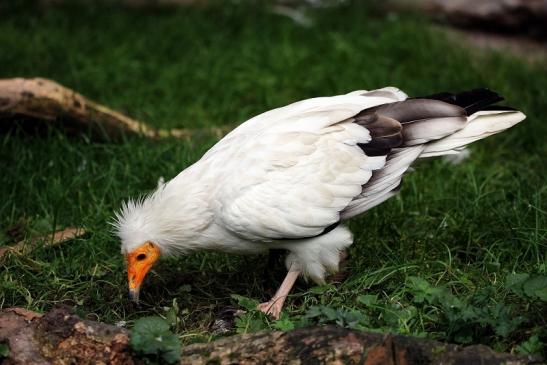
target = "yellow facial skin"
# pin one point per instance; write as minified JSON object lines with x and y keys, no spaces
{"x":139,"y":262}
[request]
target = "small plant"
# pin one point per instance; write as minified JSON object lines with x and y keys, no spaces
{"x":152,"y":338}
{"x":342,"y":317}
{"x":4,"y":350}
{"x":465,"y":319}
{"x":253,"y":320}
{"x":528,"y":286}
{"x":430,"y":310}
{"x":531,"y":346}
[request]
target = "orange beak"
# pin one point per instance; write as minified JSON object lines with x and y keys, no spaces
{"x":139,"y":262}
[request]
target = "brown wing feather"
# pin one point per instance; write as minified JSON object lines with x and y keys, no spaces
{"x":400,"y":131}
{"x":385,"y":132}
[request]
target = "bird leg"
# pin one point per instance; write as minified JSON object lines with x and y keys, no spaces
{"x":273,"y":306}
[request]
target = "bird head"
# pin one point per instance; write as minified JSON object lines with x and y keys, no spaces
{"x":139,"y":261}
{"x":141,"y":245}
{"x":167,"y":222}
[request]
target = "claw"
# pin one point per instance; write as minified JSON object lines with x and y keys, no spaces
{"x":272,"y":308}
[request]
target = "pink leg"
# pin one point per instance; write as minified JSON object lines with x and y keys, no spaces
{"x":273,"y":306}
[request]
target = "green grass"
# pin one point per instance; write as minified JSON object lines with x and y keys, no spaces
{"x":463,"y":229}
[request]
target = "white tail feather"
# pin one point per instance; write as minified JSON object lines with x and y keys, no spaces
{"x":383,"y":182}
{"x":479,"y":125}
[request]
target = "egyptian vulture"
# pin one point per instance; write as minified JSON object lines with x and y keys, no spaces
{"x":290,"y":177}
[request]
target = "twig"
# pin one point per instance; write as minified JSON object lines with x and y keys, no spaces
{"x":24,"y":247}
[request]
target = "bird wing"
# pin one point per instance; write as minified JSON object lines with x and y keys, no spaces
{"x":288,"y":173}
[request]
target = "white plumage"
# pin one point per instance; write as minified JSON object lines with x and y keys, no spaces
{"x":285,"y":178}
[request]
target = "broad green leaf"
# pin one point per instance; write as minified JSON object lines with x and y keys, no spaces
{"x":330,"y":313}
{"x":171,"y":348}
{"x":151,"y":336}
{"x":321,"y":289}
{"x":249,"y":322}
{"x":515,"y":281}
{"x":370,"y":300}
{"x":4,"y":350}
{"x":536,"y":287}
{"x":247,"y":303}
{"x":531,"y":346}
{"x":284,"y":324}
{"x":171,"y":316}
{"x":423,"y":291}
{"x":313,"y":312}
{"x":418,"y":283}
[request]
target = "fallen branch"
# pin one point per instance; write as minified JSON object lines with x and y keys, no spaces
{"x":46,"y":99}
{"x":337,"y":345}
{"x":60,"y":337}
{"x":24,"y":247}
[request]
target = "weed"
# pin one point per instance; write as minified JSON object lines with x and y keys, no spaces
{"x":152,"y":338}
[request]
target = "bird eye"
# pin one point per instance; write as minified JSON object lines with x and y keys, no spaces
{"x":141,"y":256}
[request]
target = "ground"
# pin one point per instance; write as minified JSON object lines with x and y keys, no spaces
{"x":459,"y":255}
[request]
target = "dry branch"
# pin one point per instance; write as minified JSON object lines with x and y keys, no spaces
{"x":60,"y":337}
{"x":46,"y":99}
{"x":53,"y":239}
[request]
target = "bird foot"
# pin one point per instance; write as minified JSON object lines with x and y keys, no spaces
{"x":272,"y":308}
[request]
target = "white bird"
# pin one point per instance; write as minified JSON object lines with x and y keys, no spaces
{"x":288,"y":178}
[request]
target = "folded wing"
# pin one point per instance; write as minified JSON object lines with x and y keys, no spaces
{"x":296,"y":171}
{"x":291,"y":171}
